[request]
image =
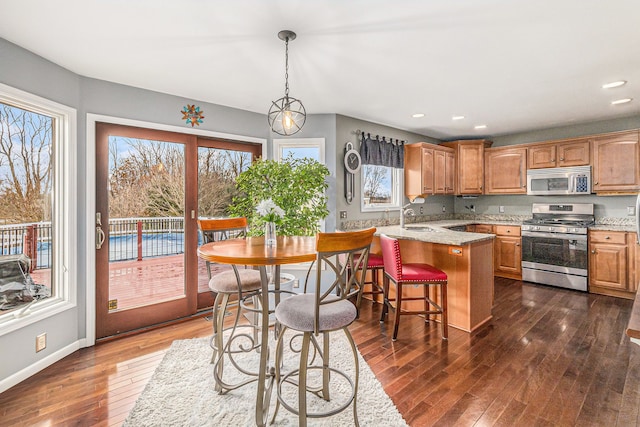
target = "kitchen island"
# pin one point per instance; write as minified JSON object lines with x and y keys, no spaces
{"x":467,"y":258}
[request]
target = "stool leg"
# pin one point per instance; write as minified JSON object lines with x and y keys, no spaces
{"x":219,"y":342}
{"x":425,"y":294}
{"x":396,"y":319}
{"x":302,"y":380}
{"x":445,"y":321}
{"x":385,"y":298}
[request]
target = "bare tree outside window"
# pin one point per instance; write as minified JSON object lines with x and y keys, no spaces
{"x":377,"y":184}
{"x":26,"y":179}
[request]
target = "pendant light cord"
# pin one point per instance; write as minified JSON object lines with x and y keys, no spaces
{"x":286,"y":68}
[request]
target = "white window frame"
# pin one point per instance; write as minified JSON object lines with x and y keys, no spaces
{"x":64,"y":215}
{"x":280,"y":144}
{"x":396,"y":193}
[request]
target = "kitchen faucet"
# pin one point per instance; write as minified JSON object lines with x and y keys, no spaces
{"x":405,"y":210}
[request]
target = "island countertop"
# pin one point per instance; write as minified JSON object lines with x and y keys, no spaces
{"x":435,"y":232}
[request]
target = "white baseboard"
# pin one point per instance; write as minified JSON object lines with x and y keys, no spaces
{"x":25,"y":373}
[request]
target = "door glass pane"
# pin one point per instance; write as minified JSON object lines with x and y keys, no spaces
{"x":26,"y":178}
{"x":217,"y":172}
{"x":146,"y":222}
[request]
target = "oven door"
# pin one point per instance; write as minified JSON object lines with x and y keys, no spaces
{"x":555,"y":252}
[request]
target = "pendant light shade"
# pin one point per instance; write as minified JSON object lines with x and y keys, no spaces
{"x":286,"y":115}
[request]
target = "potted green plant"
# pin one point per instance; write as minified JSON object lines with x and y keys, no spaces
{"x":297,"y":186}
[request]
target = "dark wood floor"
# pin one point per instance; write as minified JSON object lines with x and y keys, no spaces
{"x":549,"y":357}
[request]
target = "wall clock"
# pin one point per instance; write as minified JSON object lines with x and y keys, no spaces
{"x":352,"y":160}
{"x":352,"y":163}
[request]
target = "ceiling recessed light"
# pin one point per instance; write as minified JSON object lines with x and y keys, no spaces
{"x":480,"y":127}
{"x":614,"y":84}
{"x":621,"y":101}
{"x":457,"y":117}
{"x":417,"y":115}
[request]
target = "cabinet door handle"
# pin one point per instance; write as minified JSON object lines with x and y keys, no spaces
{"x":593,"y":251}
{"x":607,"y":237}
{"x":562,"y":159}
{"x":595,"y":183}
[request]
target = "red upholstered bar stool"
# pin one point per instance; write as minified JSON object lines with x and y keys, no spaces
{"x":375,"y":264}
{"x":409,"y":275}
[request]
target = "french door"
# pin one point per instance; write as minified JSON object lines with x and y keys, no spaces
{"x":147,"y":197}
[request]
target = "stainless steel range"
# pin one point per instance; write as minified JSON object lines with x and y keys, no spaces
{"x":554,"y":245}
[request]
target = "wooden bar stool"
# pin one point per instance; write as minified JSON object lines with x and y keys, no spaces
{"x":241,"y":282}
{"x":411,"y":274}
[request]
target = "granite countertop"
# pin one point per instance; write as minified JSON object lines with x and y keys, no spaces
{"x":614,"y":227}
{"x":441,"y":223}
{"x":435,"y":232}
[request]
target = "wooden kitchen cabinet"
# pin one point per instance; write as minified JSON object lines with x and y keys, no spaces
{"x":480,"y":228}
{"x":418,"y":170}
{"x":505,"y":170}
{"x":612,"y":263}
{"x":572,"y":152}
{"x":444,"y":170}
{"x":507,"y":252}
{"x":428,"y":169}
{"x":616,"y":163}
{"x":469,"y":165}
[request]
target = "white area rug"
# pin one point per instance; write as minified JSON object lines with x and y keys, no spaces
{"x":180,"y":393}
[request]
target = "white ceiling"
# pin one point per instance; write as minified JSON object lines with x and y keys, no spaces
{"x":512,"y":65}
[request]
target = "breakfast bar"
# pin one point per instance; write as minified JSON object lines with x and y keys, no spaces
{"x":467,"y":258}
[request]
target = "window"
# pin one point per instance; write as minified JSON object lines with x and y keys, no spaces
{"x":380,"y":188}
{"x":37,"y":177}
{"x":311,"y":148}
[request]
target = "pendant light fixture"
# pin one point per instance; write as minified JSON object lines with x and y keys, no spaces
{"x":286,"y":115}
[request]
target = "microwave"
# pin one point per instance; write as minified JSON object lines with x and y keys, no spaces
{"x":559,"y":181}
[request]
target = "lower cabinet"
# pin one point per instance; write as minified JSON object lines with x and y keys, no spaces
{"x":507,"y":248}
{"x":613,"y":263}
{"x":507,"y":252}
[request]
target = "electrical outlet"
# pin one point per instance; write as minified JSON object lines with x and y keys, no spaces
{"x":631,"y":210}
{"x":444,"y":208}
{"x":472,"y":208}
{"x":501,"y":209}
{"x":296,"y":283}
{"x":343,"y":214}
{"x":41,"y":342}
{"x":421,"y":210}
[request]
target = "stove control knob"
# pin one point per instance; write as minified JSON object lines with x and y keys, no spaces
{"x":551,"y":228}
{"x":536,"y":227}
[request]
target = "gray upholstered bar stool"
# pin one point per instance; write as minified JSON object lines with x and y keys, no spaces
{"x":244,"y":284}
{"x":324,"y":311}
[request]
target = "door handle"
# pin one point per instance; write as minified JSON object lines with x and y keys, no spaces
{"x":100,"y":237}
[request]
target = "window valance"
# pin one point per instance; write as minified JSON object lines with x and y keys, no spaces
{"x":382,"y":152}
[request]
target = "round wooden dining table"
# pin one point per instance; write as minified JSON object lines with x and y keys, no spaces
{"x":253,"y":251}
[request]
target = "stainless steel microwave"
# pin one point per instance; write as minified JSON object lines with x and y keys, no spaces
{"x":559,"y":181}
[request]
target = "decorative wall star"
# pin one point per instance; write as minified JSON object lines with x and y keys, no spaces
{"x":192,"y":114}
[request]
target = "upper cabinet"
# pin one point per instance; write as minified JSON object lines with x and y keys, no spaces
{"x":469,"y":165}
{"x":506,"y":170}
{"x":445,"y":168}
{"x":414,"y":157}
{"x":428,"y":169}
{"x":572,"y":152}
{"x":616,"y":163}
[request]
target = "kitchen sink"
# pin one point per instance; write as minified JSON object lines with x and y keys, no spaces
{"x":423,"y":229}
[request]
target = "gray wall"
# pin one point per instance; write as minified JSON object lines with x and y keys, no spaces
{"x":346,"y":128}
{"x":26,"y":71}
